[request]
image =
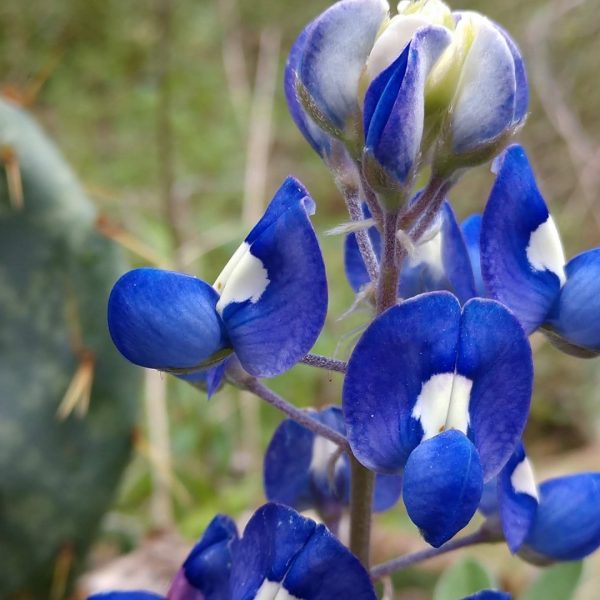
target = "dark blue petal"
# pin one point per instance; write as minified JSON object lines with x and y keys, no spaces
{"x":398,"y":353}
{"x":488,"y":595}
{"x":296,"y":469}
{"x":443,"y":482}
{"x":287,"y":476}
{"x":494,"y":354}
{"x":280,"y":548}
{"x":457,"y":264}
{"x":325,"y":569}
{"x":134,"y":595}
{"x":274,"y":290}
{"x":395,"y":103}
{"x":574,"y":317}
{"x":209,"y":380}
{"x":336,"y":49}
{"x":471,"y":229}
{"x":208,"y":566}
{"x":488,"y":505}
{"x":567,"y":525}
{"x":165,"y":320}
{"x":485,"y":106}
{"x":518,"y":499}
{"x":316,"y":137}
{"x":521,"y":256}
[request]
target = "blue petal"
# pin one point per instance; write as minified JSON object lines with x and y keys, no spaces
{"x":518,"y":499}
{"x":443,"y":482}
{"x":274,"y":293}
{"x":325,"y":569}
{"x":522,"y":85}
{"x":316,"y":137}
{"x":208,"y":566}
{"x":133,"y":595}
{"x":574,"y":317}
{"x":290,"y":551}
{"x":488,"y":595}
{"x":209,"y":380}
{"x":495,"y":355}
{"x":336,"y":49}
{"x":485,"y":106}
{"x":395,"y":103}
{"x":165,"y":320}
{"x":488,"y":505}
{"x":567,"y":526}
{"x":519,"y":256}
{"x":457,"y":264}
{"x":471,"y":229}
{"x":296,"y":469}
{"x":273,"y":538}
{"x":399,"y":352}
{"x":287,"y":476}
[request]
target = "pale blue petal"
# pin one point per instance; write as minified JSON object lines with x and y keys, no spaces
{"x":335,"y":52}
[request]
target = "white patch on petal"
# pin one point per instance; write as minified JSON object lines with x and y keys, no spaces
{"x":545,"y":250}
{"x":443,"y":404}
{"x":273,"y":590}
{"x":523,"y":479}
{"x":322,"y":452}
{"x":458,"y":413}
{"x":430,"y":253}
{"x":243,"y":278}
{"x":391,"y":43}
{"x":433,"y":404}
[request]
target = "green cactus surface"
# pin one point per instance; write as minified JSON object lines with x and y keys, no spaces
{"x":58,"y":475}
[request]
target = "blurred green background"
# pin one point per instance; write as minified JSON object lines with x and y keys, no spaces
{"x":173,"y":116}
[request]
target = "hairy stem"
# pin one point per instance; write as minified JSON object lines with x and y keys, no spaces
{"x":324,"y":362}
{"x":387,"y":285}
{"x":352,"y":198}
{"x":301,"y":417}
{"x":481,"y":536}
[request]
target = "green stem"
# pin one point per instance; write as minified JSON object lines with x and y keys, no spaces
{"x":387,"y":285}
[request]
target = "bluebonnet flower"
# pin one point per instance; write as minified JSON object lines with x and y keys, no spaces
{"x":402,"y":82}
{"x":440,"y":262}
{"x":298,"y":470}
{"x":524,"y":267}
{"x":558,"y":521}
{"x":267,"y":306}
{"x":280,"y":555}
{"x":442,"y":395}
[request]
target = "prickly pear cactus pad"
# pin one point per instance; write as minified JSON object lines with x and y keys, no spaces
{"x":62,"y":450}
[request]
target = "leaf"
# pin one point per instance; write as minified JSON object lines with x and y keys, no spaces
{"x":462,"y":579}
{"x":558,"y":582}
